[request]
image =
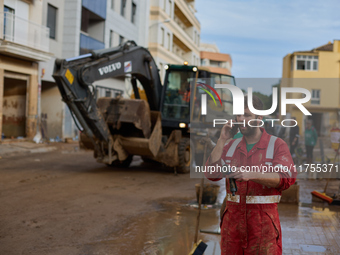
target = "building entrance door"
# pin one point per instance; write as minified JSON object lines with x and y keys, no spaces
{"x":14,"y":108}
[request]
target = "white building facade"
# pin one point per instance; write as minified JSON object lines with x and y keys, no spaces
{"x":76,"y":28}
{"x":23,"y":44}
{"x":174,"y":33}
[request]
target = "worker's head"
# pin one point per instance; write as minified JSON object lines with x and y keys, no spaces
{"x":248,"y":115}
{"x":309,"y":124}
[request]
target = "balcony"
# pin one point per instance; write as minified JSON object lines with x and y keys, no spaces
{"x":185,"y":41}
{"x":98,"y":7}
{"x":88,"y":43}
{"x":23,"y":38}
{"x":187,"y":15}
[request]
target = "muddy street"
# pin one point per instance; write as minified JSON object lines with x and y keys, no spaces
{"x":63,"y":202}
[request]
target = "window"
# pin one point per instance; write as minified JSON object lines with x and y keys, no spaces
{"x":108,"y":93}
{"x":133,"y":14}
{"x":8,"y":9}
{"x":176,"y":100}
{"x":315,"y":96}
{"x":168,"y":41}
{"x":292,"y":64}
{"x":122,"y":7}
{"x":162,"y":36}
{"x":170,"y":8}
{"x":121,"y":40}
{"x":304,"y":62}
{"x":8,"y":23}
{"x":111,"y":38}
{"x":52,"y":20}
{"x":112,"y":4}
{"x":215,"y":63}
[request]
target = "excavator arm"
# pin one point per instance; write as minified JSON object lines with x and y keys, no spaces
{"x":75,"y":77}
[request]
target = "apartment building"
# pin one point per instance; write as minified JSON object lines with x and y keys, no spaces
{"x":214,"y":60}
{"x":77,"y":27}
{"x":317,"y":70}
{"x":23,"y":43}
{"x":174,"y":33}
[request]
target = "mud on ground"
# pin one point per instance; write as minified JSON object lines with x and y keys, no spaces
{"x":63,"y":202}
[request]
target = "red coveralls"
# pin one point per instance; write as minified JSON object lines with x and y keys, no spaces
{"x":250,"y":223}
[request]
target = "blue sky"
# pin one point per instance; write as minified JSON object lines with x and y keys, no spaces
{"x":259,"y":33}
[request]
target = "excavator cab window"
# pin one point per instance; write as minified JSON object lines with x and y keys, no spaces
{"x":176,"y":104}
{"x":216,"y":111}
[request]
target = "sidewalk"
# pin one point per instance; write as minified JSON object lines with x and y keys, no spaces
{"x":311,"y":227}
{"x":25,"y":147}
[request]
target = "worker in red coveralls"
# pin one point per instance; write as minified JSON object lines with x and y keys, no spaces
{"x":250,"y":222}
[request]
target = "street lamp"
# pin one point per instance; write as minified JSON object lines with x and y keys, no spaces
{"x":159,"y":22}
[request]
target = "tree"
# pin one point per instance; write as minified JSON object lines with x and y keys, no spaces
{"x":266,"y":100}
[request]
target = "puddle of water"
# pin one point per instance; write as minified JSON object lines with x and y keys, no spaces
{"x":169,"y":231}
{"x":313,"y":248}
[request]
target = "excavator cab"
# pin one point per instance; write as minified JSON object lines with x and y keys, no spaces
{"x":180,"y":106}
{"x":175,"y":102}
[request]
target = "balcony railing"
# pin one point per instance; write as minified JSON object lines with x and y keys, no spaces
{"x":98,"y":7}
{"x":24,"y":32}
{"x":184,"y":8}
{"x":89,"y":43}
{"x":184,"y":36}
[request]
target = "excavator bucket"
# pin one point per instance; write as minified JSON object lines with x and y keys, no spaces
{"x":144,"y":146}
{"x":135,"y":129}
{"x":125,"y":115}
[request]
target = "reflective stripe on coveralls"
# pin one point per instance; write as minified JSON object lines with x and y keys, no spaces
{"x":255,"y":199}
{"x":269,"y":152}
{"x":286,"y":169}
{"x":232,"y":148}
{"x":270,"y":148}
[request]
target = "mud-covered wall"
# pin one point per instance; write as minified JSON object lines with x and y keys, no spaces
{"x":14,"y":108}
{"x":12,"y":68}
{"x":32,"y":113}
{"x":1,"y":97}
{"x":51,"y":110}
